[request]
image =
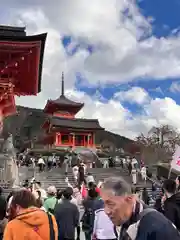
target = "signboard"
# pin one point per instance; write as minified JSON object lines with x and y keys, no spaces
{"x":175,"y":163}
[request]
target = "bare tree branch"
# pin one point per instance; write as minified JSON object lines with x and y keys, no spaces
{"x":162,"y":140}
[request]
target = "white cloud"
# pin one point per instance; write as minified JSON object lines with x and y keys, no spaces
{"x":114,"y":117}
{"x":134,"y":95}
{"x":175,"y":87}
{"x":120,"y":57}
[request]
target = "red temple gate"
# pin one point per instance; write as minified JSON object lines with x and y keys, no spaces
{"x":21,"y":60}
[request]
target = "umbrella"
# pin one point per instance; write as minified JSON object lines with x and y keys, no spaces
{"x":87,"y":155}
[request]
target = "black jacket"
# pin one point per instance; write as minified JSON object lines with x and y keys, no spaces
{"x":153,"y":226}
{"x":172,"y":209}
{"x":67,"y":217}
{"x":145,"y":197}
{"x":3,"y":206}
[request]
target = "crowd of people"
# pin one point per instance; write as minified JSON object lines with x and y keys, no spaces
{"x":109,"y":210}
{"x":68,"y":160}
{"x":134,"y":168}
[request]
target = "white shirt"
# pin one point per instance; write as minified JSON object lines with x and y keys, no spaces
{"x":33,"y":162}
{"x":143,"y":170}
{"x":75,"y":170}
{"x":50,"y":159}
{"x":133,"y":171}
{"x":9,"y":202}
{"x":85,"y":167}
{"x":41,"y":161}
{"x":43,"y":193}
{"x":134,"y":161}
{"x":90,"y":178}
{"x":103,"y":226}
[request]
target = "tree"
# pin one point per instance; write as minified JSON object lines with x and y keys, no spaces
{"x":162,"y":142}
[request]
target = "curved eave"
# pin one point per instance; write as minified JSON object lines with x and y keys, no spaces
{"x":63,"y":100}
{"x":75,"y":123}
{"x":52,"y":107}
{"x":55,"y":128}
{"x":11,"y":41}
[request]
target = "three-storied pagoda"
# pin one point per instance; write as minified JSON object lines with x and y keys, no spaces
{"x":63,"y":129}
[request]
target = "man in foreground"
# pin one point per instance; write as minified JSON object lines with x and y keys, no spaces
{"x":137,"y":222}
{"x":172,"y":202}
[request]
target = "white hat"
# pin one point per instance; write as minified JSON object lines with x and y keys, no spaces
{"x":51,"y":190}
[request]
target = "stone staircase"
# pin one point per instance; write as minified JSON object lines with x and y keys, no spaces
{"x":56,"y":176}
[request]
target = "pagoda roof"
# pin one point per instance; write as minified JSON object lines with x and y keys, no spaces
{"x":62,"y":103}
{"x":12,"y":31}
{"x":75,"y":123}
{"x":63,"y":100}
{"x":27,"y":54}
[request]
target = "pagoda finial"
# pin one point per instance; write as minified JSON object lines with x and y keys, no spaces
{"x":62,"y":85}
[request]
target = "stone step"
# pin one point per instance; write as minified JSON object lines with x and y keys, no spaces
{"x":57,"y":175}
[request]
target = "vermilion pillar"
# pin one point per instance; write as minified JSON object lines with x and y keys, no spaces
{"x":58,"y":139}
{"x":93,"y":139}
{"x":73,"y":139}
{"x":90,"y":140}
{"x":84,"y":140}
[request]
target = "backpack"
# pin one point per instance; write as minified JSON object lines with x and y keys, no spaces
{"x":51,"y":228}
{"x":88,"y":220}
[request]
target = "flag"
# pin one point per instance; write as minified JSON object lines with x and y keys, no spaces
{"x":175,"y":163}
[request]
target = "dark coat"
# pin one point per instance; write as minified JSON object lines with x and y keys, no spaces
{"x":155,"y":226}
{"x":81,"y":173}
{"x":145,"y":197}
{"x":172,"y":209}
{"x":67,"y":217}
{"x":90,"y":206}
{"x":3,"y":206}
{"x":152,"y":226}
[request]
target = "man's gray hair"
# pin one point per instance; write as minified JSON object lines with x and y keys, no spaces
{"x":117,"y":185}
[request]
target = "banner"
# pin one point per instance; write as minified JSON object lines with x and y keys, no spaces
{"x":175,"y":163}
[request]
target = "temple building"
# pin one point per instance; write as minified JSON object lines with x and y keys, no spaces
{"x":21,"y":58}
{"x":63,"y":129}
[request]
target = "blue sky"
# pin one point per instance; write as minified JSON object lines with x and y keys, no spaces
{"x":120,"y":57}
{"x":165,"y":22}
{"x":165,"y":14}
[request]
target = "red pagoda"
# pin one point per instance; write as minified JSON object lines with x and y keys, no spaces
{"x":21,"y":60}
{"x":63,"y":129}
